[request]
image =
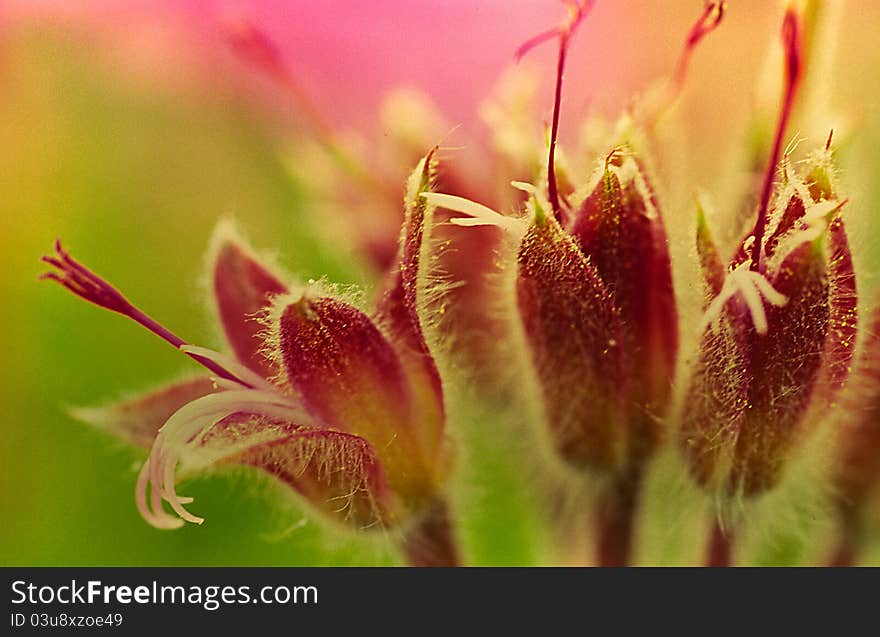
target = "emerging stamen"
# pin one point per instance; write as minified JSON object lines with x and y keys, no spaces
{"x":751,"y":286}
{"x":577,"y":11}
{"x":538,"y":204}
{"x":89,"y":286}
{"x":792,"y":45}
{"x":477,"y":214}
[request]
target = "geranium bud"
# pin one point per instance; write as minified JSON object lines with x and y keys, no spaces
{"x":352,"y":380}
{"x":620,"y":230}
{"x":575,"y":338}
{"x":778,"y":334}
{"x":773,"y":344}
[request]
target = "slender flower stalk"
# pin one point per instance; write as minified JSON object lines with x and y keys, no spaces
{"x":792,"y":44}
{"x":577,"y":11}
{"x":719,"y":552}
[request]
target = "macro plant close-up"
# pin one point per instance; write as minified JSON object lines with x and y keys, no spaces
{"x":575,"y":283}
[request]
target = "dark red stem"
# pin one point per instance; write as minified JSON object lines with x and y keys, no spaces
{"x":578,"y":10}
{"x":552,"y":187}
{"x":844,"y":554}
{"x":615,"y":520}
{"x":791,"y":43}
{"x":708,"y":21}
{"x":720,"y":549}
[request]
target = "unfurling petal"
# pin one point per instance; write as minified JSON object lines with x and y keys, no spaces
{"x":243,"y":288}
{"x":138,"y":420}
{"x":337,"y":473}
{"x":351,"y":378}
{"x":574,"y":336}
{"x":620,"y":230}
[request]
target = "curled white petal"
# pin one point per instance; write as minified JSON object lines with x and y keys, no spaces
{"x":180,"y":438}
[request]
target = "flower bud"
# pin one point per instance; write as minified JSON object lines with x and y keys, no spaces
{"x":574,"y":336}
{"x":620,"y":230}
{"x":760,"y":368}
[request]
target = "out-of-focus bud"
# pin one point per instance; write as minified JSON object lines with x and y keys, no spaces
{"x":857,"y":458}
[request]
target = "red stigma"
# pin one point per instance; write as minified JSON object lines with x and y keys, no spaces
{"x":92,"y":288}
{"x":793,"y":68}
{"x":577,"y":11}
{"x":83,"y":282}
{"x":708,"y":21}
